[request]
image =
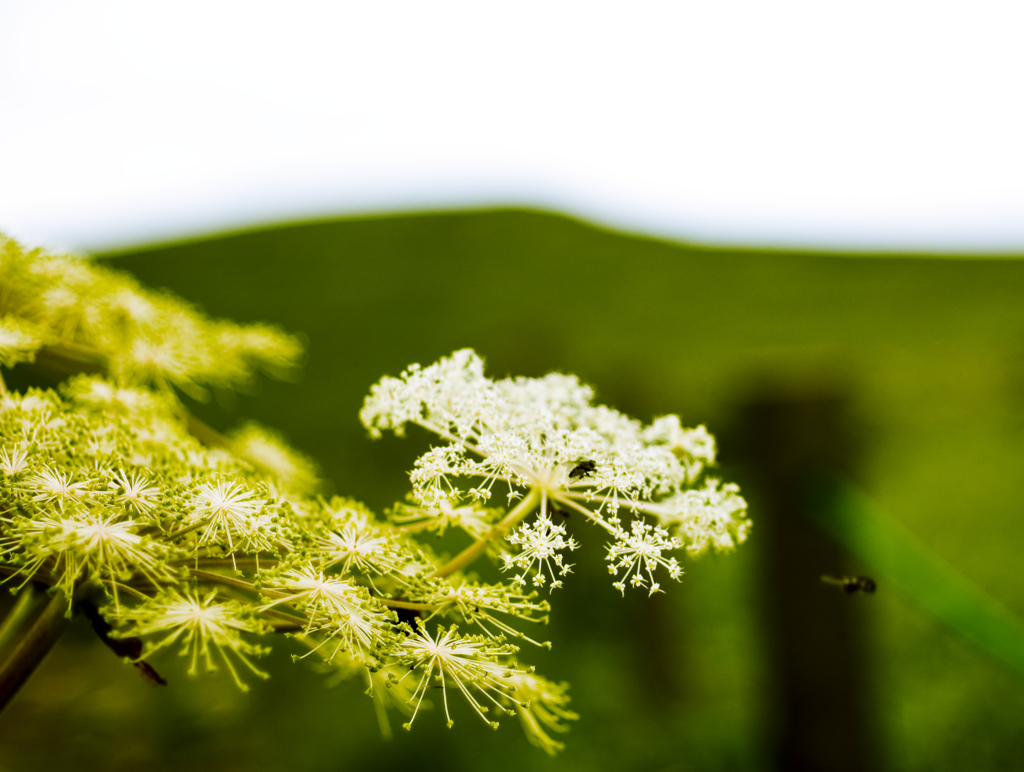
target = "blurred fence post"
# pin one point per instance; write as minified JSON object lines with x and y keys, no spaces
{"x":819,"y":709}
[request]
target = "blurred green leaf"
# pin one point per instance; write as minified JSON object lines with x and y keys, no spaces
{"x":898,"y":560}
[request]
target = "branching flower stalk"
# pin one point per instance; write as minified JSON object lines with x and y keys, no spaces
{"x":117,"y":503}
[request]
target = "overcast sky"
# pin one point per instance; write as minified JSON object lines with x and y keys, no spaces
{"x":867,"y":124}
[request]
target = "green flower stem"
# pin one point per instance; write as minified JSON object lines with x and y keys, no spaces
{"x":285,"y":623}
{"x":185,"y":529}
{"x":25,"y":607}
{"x":475,"y":550}
{"x":432,"y":427}
{"x":227,"y":581}
{"x":128,"y":589}
{"x":70,"y":358}
{"x":225,"y":563}
{"x":41,"y":577}
{"x":568,"y":502}
{"x":33,"y":647}
{"x":408,"y":605}
{"x":206,"y":434}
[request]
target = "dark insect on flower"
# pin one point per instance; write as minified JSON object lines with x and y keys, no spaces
{"x":582,"y":469}
{"x":852,"y":583}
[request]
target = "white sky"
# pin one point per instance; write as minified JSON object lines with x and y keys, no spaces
{"x":855,"y":124}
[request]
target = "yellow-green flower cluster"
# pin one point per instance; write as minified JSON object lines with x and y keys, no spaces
{"x":79,"y":309}
{"x":108,"y":497}
{"x":104,"y":494}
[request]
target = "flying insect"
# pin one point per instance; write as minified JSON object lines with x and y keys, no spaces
{"x":852,"y":584}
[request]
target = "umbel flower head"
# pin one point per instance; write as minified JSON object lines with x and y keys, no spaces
{"x":541,"y":543}
{"x":543,"y":442}
{"x":543,"y":708}
{"x":471,"y":663}
{"x":109,"y":499}
{"x":202,"y":626}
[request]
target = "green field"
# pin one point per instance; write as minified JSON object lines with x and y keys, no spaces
{"x":928,"y":353}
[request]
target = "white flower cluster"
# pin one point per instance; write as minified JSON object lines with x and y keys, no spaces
{"x":713,"y":515}
{"x":638,"y":553}
{"x":543,"y":438}
{"x":540,"y":544}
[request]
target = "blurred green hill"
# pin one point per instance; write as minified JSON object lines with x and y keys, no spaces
{"x":928,"y":353}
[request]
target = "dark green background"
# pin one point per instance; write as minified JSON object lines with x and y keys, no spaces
{"x":929,"y":352}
